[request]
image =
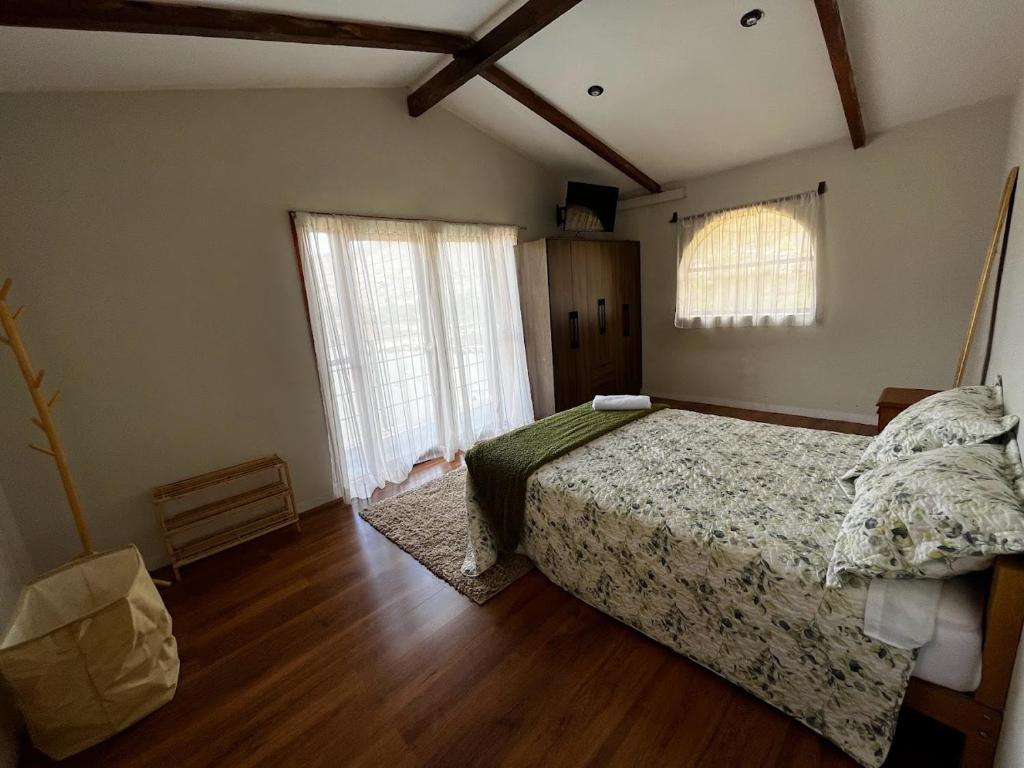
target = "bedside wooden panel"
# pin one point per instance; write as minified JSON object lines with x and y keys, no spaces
{"x":893,"y":400}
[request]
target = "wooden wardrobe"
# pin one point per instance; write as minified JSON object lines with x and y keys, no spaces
{"x":581,"y":318}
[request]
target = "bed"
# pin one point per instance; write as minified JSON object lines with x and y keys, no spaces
{"x":712,"y":535}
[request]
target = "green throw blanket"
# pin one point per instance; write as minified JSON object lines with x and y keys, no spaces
{"x":500,"y":467}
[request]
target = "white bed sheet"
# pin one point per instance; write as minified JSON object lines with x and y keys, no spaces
{"x":945,"y":618}
{"x":953,"y":657}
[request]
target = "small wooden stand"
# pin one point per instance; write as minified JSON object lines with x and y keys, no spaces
{"x":176,"y":525}
{"x":895,"y":400}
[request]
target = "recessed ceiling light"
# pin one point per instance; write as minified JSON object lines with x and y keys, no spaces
{"x":595,"y":90}
{"x":750,"y":18}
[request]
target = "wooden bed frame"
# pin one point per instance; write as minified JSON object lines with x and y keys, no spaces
{"x":979,"y":715}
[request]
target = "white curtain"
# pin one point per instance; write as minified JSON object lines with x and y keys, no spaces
{"x":755,"y":265}
{"x":418,"y":337}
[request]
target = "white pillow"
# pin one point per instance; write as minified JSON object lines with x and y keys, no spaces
{"x":936,"y":514}
{"x":962,"y":416}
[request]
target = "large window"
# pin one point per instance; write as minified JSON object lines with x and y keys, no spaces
{"x":755,"y":265}
{"x":418,"y":337}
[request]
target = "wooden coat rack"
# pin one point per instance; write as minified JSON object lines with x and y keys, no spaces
{"x":44,"y":420}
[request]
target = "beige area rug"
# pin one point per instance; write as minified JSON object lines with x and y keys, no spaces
{"x":429,"y":523}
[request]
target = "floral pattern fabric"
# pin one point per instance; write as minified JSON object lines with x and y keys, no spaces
{"x":962,"y":416}
{"x":713,"y":536}
{"x":934,"y":515}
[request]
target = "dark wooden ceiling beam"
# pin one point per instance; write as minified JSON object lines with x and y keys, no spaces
{"x":524,"y":22}
{"x":200,"y":21}
{"x":540,"y":106}
{"x":839,"y":55}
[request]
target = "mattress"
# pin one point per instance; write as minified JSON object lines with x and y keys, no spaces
{"x":712,"y":535}
{"x":944,"y":619}
{"x":952,"y":658}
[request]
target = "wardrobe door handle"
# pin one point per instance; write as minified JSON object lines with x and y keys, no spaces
{"x":602,"y":317}
{"x":625,"y":319}
{"x":574,"y":330}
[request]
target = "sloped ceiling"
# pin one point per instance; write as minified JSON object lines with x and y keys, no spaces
{"x":687,"y":90}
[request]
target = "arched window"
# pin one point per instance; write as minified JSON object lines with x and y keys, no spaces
{"x":749,"y":266}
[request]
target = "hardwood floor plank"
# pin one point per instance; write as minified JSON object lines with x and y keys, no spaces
{"x":648,"y":735}
{"x":589,"y":708}
{"x":505,"y":700}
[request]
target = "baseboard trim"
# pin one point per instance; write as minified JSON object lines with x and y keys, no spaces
{"x":312,"y":505}
{"x":789,"y":410}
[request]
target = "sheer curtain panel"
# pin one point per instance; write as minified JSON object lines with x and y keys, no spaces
{"x":755,"y":265}
{"x":418,"y":338}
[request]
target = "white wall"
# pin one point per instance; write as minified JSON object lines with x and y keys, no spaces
{"x":148,"y":233}
{"x":1008,"y":360}
{"x":15,"y":569}
{"x":1008,"y":339}
{"x":907,"y":223}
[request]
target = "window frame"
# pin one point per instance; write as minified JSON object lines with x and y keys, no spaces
{"x":801,"y":216}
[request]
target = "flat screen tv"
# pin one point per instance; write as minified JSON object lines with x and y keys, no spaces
{"x":589,"y":208}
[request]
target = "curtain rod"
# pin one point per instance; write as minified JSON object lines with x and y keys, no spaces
{"x":822,"y":188}
{"x":292,"y":213}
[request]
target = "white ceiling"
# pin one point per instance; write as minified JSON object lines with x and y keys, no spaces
{"x":916,"y":58}
{"x":60,"y":60}
{"x":687,"y":91}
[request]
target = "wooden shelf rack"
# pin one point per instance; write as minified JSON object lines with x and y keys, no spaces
{"x":275,"y":499}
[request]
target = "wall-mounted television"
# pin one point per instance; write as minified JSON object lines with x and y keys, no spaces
{"x":588,"y":208}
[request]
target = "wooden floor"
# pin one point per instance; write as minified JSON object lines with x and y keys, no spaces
{"x":334,"y":647}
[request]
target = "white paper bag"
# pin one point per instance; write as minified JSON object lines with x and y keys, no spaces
{"x":89,"y":651}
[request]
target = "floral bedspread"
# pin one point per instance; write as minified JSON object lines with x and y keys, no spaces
{"x":713,"y":536}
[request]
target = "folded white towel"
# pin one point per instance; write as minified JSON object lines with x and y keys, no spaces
{"x":622,"y":403}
